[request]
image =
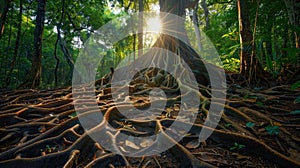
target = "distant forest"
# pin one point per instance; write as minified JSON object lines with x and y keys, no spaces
{"x":40,"y":40}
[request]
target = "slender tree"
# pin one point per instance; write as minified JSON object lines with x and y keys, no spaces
{"x":206,"y":13}
{"x":246,"y":37}
{"x":4,"y":6}
{"x":196,"y":26}
{"x":140,"y":35}
{"x":33,"y":79}
{"x":249,"y":64}
{"x":293,"y":8}
{"x":17,"y":44}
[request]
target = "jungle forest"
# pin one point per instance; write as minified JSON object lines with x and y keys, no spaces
{"x":149,"y":83}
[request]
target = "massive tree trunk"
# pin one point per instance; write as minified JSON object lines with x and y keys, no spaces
{"x":4,"y":6}
{"x":33,"y":79}
{"x":176,"y":45}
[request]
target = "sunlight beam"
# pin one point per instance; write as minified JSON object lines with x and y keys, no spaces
{"x":154,"y":25}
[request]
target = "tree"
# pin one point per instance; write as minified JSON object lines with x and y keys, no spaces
{"x":246,"y":37}
{"x":17,"y":44}
{"x":249,"y":64}
{"x":175,"y":45}
{"x":4,"y":6}
{"x":34,"y":77}
{"x":206,"y":12}
{"x":293,"y":8}
{"x":140,"y":35}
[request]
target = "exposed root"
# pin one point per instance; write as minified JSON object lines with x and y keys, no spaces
{"x":41,"y":128}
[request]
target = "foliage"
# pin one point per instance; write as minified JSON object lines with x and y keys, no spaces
{"x":81,"y":18}
{"x":73,"y":115}
{"x":272,"y":130}
{"x":49,"y":149}
{"x":297,"y":100}
{"x":227,"y":125}
{"x":260,"y":103}
{"x":295,"y":86}
{"x":250,"y":124}
{"x":274,"y":36}
{"x":237,"y":146}
{"x":296,"y":112}
{"x":223,"y":33}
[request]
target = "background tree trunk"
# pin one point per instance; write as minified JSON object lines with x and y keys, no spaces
{"x":206,"y":13}
{"x":17,"y":44}
{"x":4,"y":6}
{"x":141,"y":23}
{"x":246,"y":38}
{"x":293,"y":9}
{"x":196,"y":26}
{"x":33,"y":79}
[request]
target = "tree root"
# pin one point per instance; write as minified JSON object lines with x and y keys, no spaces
{"x":41,"y":128}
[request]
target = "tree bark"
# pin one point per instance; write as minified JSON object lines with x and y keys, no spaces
{"x":8,"y":45}
{"x":255,"y":67}
{"x":196,"y":26}
{"x":246,"y":38}
{"x":4,"y":6}
{"x":140,"y":27}
{"x":206,"y":13}
{"x":33,"y":79}
{"x":297,"y":23}
{"x":17,"y":44}
{"x":57,"y":40}
{"x":293,"y":9}
{"x":176,"y":45}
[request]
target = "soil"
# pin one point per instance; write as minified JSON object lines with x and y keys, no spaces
{"x":40,"y":128}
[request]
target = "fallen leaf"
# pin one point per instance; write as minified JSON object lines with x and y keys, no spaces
{"x":277,"y":124}
{"x":251,"y":100}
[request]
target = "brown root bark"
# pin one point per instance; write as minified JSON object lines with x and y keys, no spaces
{"x":39,"y":128}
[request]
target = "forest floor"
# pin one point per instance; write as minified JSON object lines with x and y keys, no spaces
{"x":40,"y":128}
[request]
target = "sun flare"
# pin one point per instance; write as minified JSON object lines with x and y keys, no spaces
{"x":154,"y":25}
